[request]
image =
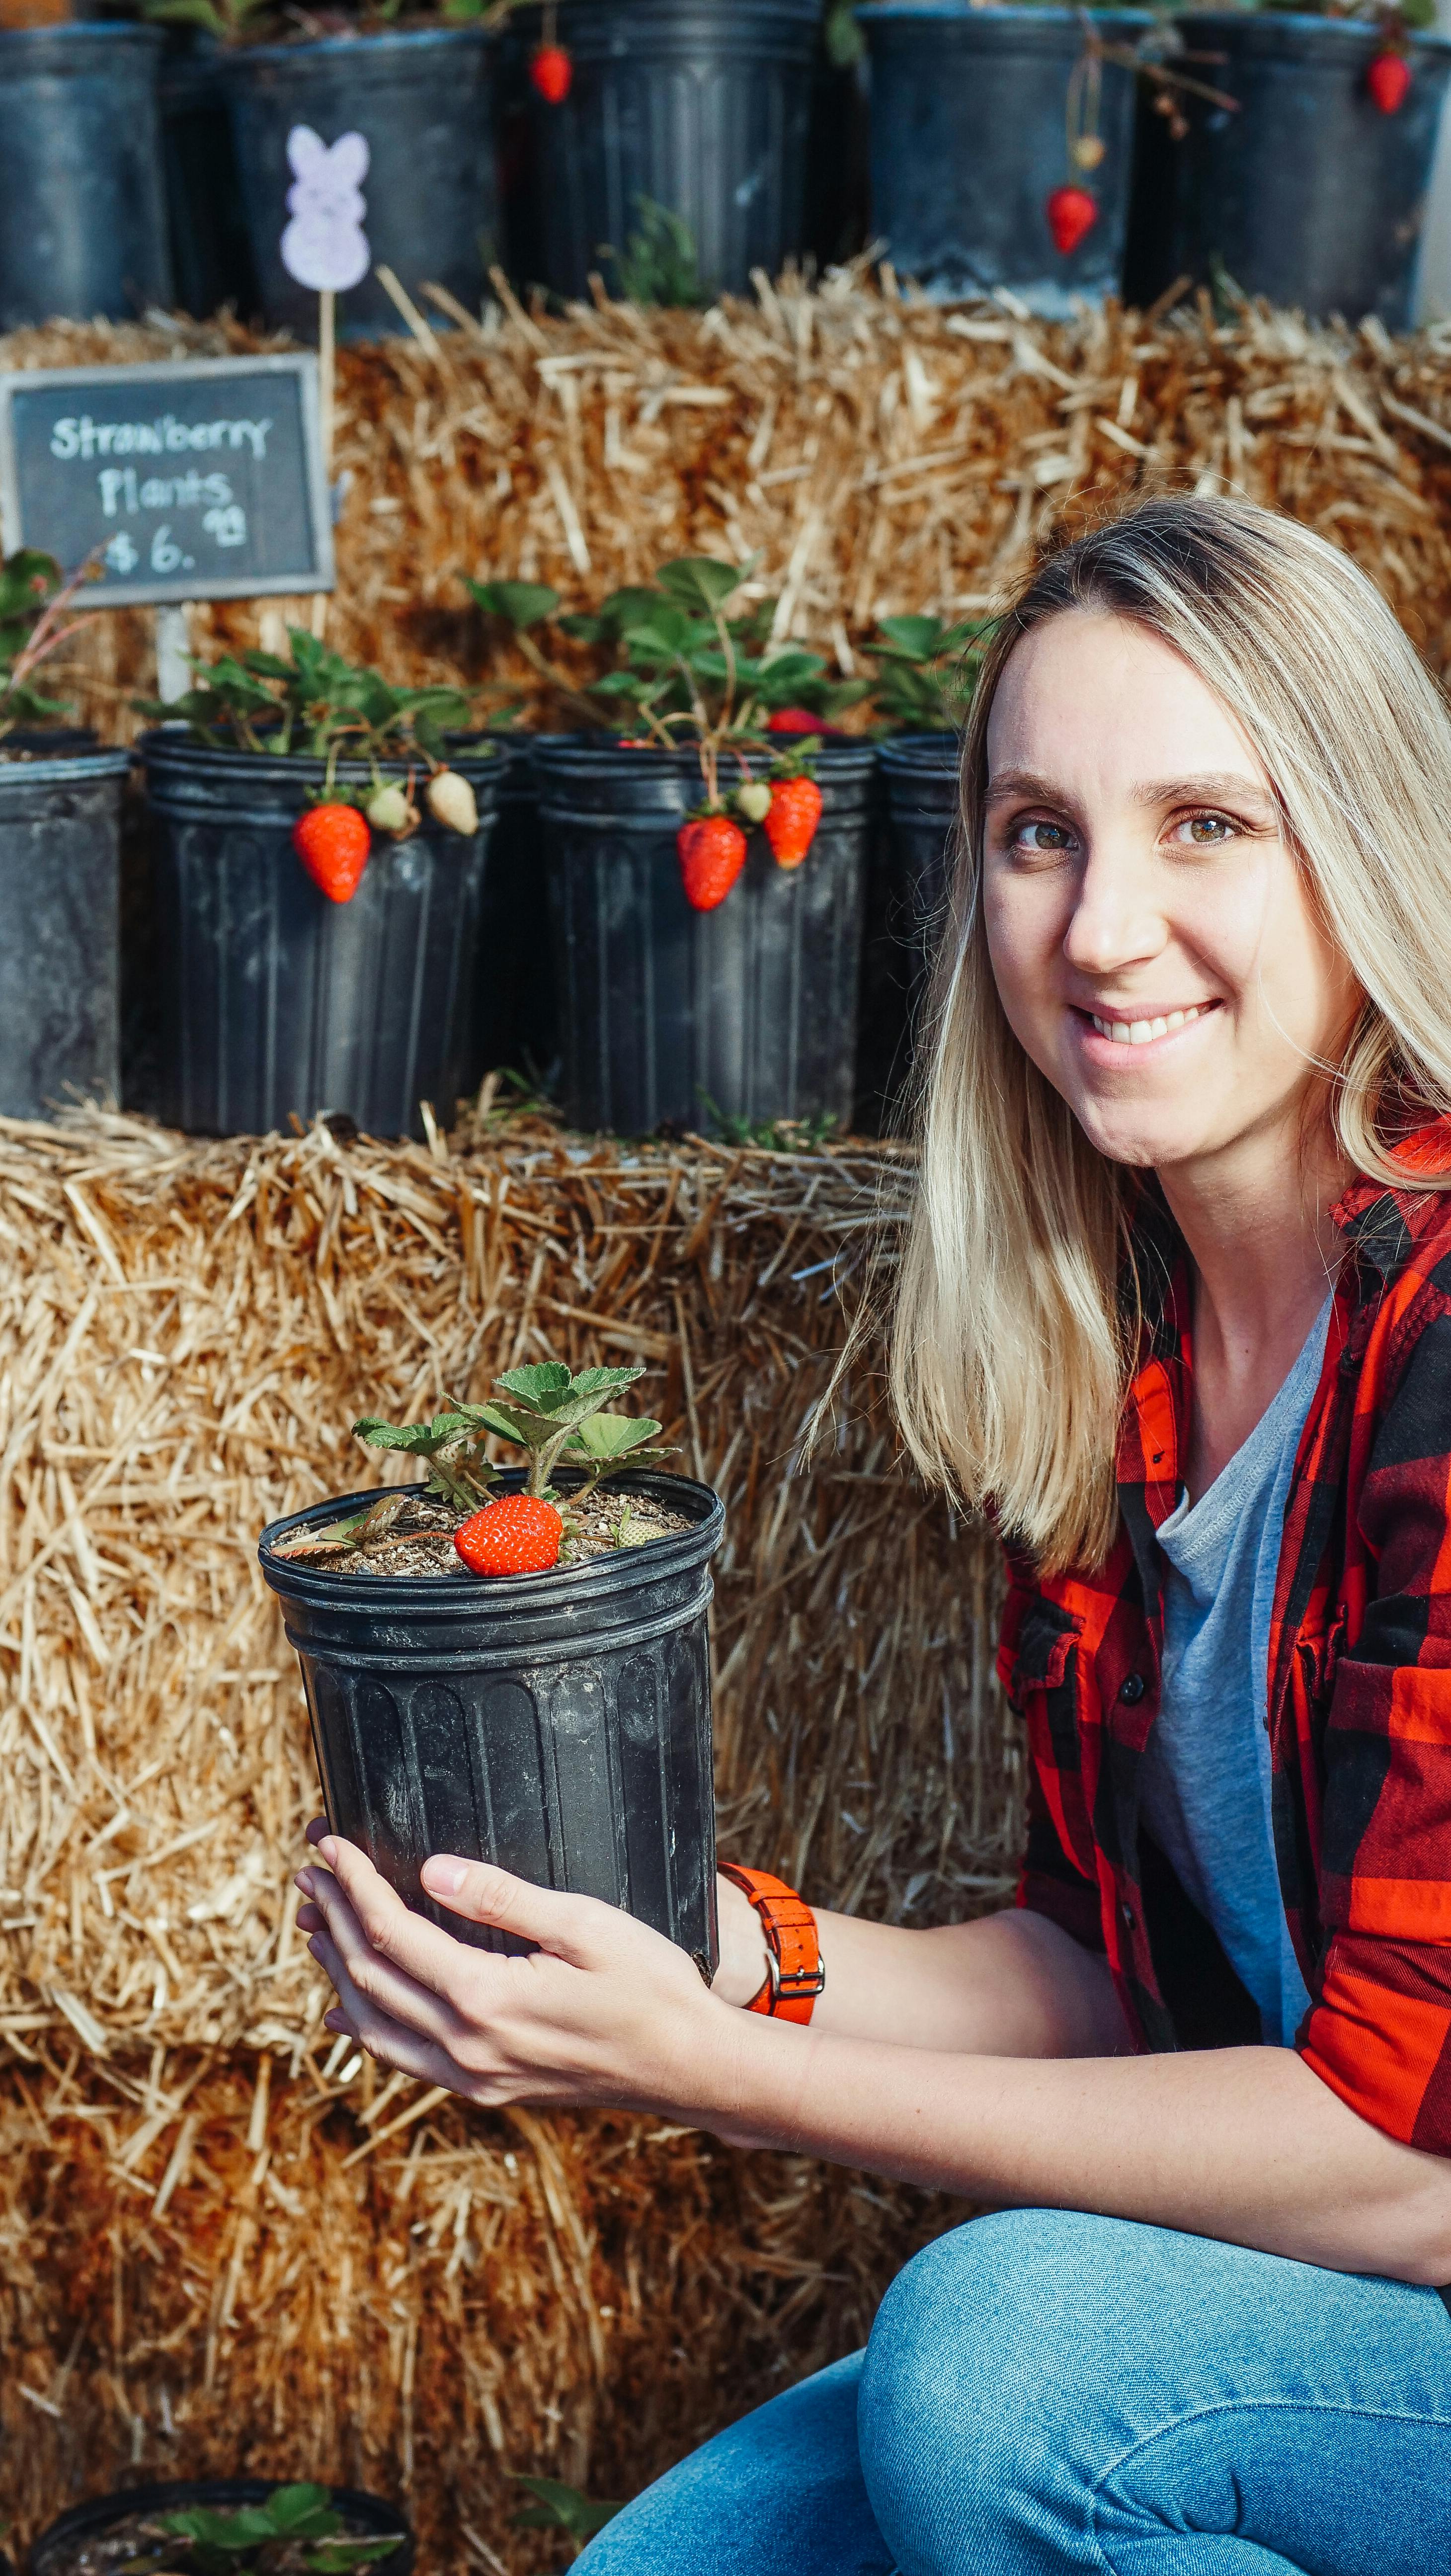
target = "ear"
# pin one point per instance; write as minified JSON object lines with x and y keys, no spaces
{"x":348,"y":160}
{"x":306,"y":152}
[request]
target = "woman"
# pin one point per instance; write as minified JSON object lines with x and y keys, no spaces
{"x":1177,"y":1305}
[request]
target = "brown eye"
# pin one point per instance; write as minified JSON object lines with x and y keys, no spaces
{"x":1207,"y":830}
{"x":1043,"y":837}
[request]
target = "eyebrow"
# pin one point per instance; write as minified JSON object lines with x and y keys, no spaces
{"x":1212,"y":787}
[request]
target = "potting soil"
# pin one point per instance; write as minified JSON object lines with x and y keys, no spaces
{"x":420,"y":1540}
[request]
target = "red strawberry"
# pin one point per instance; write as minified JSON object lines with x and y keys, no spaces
{"x":333,"y":842}
{"x":1071,"y":213}
{"x":551,"y":71}
{"x":712,"y":852}
{"x":517,"y":1535}
{"x":1388,"y":77}
{"x":798,"y":720}
{"x":791,"y":823}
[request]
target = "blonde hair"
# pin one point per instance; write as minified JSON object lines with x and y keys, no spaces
{"x":1013,"y":1343}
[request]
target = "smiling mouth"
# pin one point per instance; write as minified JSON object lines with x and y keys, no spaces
{"x":1143,"y":1032}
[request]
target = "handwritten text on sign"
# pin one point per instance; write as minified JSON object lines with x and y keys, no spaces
{"x":198,"y":480}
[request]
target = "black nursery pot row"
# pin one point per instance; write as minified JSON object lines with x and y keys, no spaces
{"x":143,"y":166}
{"x":555,"y":940}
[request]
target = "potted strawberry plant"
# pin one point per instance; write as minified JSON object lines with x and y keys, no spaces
{"x":227,"y":2527}
{"x":1002,"y":145}
{"x":319,"y":860}
{"x":1302,"y":175}
{"x":512,"y":1664}
{"x":705,"y":874}
{"x":421,"y":96}
{"x":645,"y":138}
{"x":60,"y":832}
{"x":82,"y":211}
{"x":926,"y":669}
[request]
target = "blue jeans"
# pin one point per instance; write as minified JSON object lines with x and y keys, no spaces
{"x":1045,"y":2391}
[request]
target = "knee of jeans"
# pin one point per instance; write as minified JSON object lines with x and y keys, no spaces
{"x":952,"y":2385}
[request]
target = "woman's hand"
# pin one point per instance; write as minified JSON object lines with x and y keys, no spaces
{"x":604,"y":2012}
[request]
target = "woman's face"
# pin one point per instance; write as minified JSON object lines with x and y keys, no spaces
{"x":1152,"y":937}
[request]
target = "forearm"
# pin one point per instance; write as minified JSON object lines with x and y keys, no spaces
{"x":1010,"y":1985}
{"x":1243,"y":2144}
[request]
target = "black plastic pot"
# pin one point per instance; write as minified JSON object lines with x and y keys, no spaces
{"x":82,"y":211}
{"x":517,"y":1022}
{"x":275,"y":1000}
{"x":211,"y":255}
{"x":423,"y":97}
{"x":968,"y":142}
{"x":556,"y":1724}
{"x":910,"y":875}
{"x":60,"y":841}
{"x":1306,"y":193}
{"x":700,"y":106}
{"x":53,"y":2553}
{"x":671,"y":1014}
{"x":838,"y":160}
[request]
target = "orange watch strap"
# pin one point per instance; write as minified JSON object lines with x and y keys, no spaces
{"x":796,"y":1975}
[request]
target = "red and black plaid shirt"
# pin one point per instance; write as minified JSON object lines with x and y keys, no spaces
{"x":1359,"y":1687}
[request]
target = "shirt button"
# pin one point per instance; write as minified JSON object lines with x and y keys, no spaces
{"x":1129,"y":1917}
{"x":1132,"y":1690}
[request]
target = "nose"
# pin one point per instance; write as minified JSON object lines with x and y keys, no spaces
{"x":1117,"y":918}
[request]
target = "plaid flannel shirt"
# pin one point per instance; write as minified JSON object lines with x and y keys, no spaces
{"x":1359,"y":1687}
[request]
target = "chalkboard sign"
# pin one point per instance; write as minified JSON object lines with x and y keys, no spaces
{"x":197,"y":479}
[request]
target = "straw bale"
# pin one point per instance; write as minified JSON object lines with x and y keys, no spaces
{"x":340,"y":2275}
{"x":869,"y":452}
{"x":188,"y":1331}
{"x":200,"y":2275}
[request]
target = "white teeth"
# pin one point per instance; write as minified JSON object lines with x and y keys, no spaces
{"x":1142,"y":1032}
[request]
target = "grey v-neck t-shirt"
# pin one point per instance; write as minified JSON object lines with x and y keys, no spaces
{"x":1205,"y":1779}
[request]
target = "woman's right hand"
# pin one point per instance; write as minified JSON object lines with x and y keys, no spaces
{"x":744,"y":1962}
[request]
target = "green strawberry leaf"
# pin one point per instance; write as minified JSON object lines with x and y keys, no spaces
{"x":521,"y":604}
{"x":612,"y":1435}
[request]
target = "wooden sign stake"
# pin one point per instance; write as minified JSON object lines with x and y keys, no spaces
{"x":173,"y":650}
{"x":327,"y":370}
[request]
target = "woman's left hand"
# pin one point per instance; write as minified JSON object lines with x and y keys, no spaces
{"x":603,"y":2012}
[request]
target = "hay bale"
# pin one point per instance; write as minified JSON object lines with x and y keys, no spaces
{"x":188,"y":1330}
{"x":205,"y":2273}
{"x":869,"y":451}
{"x":192,"y":1327}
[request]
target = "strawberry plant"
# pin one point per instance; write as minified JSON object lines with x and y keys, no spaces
{"x":316,"y":704}
{"x":296,"y":2528}
{"x":33,"y":602}
{"x":680,"y":670}
{"x":926,"y":672}
{"x":557,"y":1417}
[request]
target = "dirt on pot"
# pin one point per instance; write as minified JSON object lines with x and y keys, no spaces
{"x":419,"y":1537}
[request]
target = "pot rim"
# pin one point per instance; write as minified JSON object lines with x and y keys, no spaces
{"x":76,"y":31}
{"x":1264,"y":26}
{"x":577,"y":751}
{"x":166,"y":744}
{"x":465,"y":1595}
{"x":997,"y":13}
{"x":383,"y":40}
{"x":106,"y":761}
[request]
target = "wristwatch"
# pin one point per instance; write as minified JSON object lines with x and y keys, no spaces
{"x":795,"y":1975}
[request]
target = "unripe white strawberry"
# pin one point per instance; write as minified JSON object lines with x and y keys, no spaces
{"x":390,"y":809}
{"x":451,"y":801}
{"x":754,"y":800}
